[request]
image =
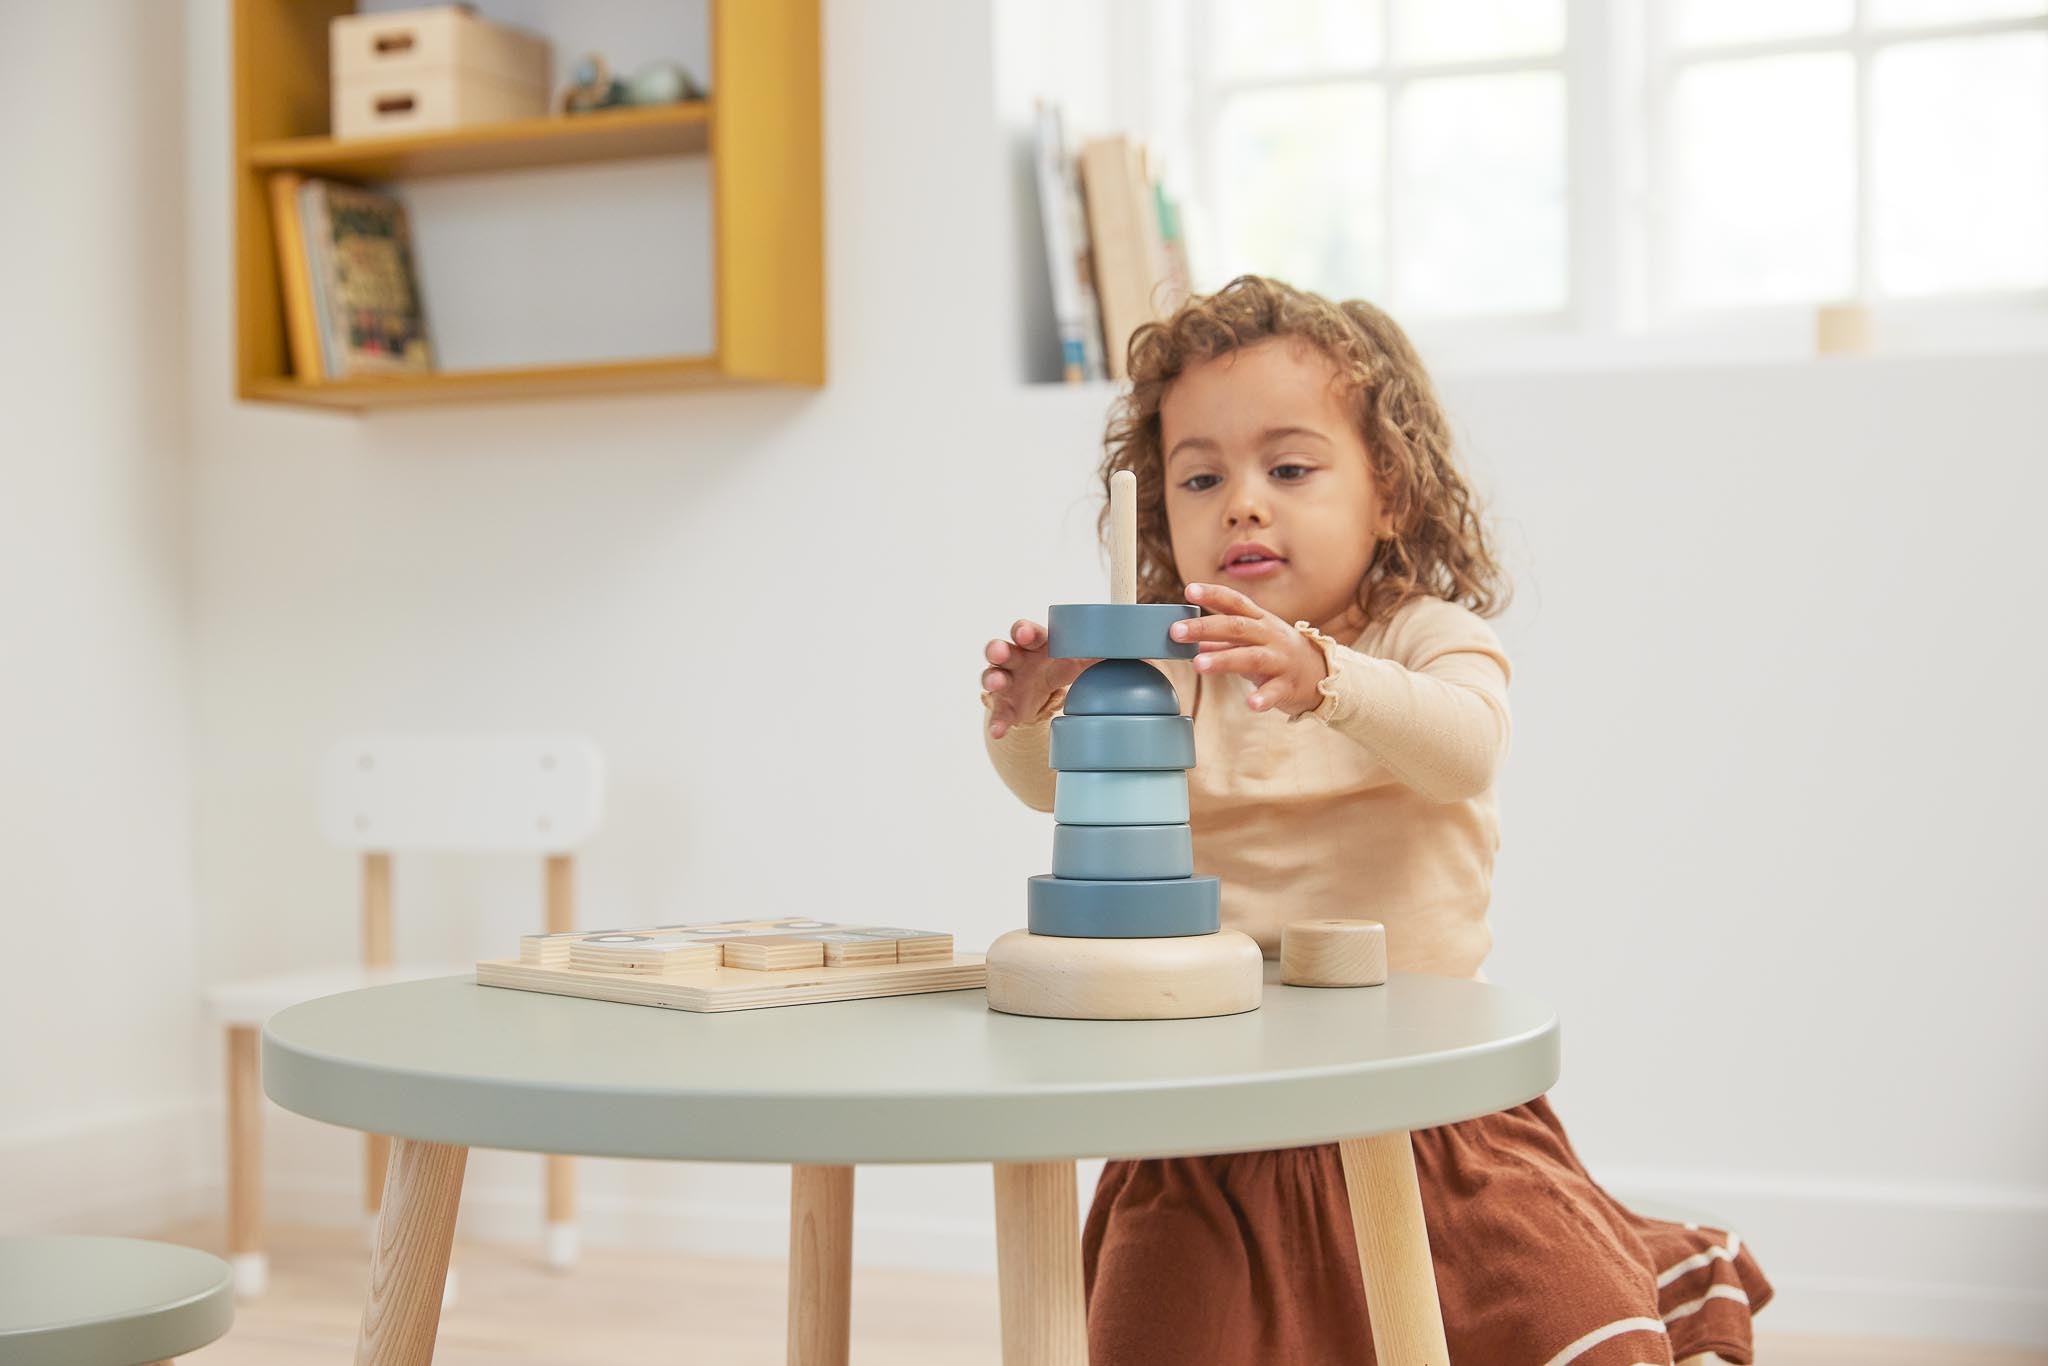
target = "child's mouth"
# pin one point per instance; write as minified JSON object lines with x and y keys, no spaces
{"x":1254,"y":566}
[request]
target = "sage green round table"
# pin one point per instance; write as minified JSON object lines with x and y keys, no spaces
{"x":446,"y":1065}
{"x":80,"y":1301}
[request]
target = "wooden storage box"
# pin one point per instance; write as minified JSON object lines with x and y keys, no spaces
{"x":416,"y":70}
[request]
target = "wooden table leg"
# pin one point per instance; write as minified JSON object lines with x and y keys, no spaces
{"x":245,"y":1160}
{"x":1393,"y":1251}
{"x":820,"y":1264}
{"x":1038,"y":1265}
{"x":409,"y":1264}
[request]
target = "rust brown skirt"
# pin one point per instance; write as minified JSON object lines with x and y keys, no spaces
{"x":1249,"y":1258}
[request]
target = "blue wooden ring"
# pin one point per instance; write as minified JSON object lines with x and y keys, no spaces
{"x":1122,"y":853}
{"x":1118,"y":630}
{"x":1121,"y":687}
{"x":1119,"y":742}
{"x":1160,"y":908}
{"x":1131,"y":797}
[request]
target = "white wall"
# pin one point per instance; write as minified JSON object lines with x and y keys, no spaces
{"x":1767,"y":819}
{"x":99,"y":1073}
{"x":1771,"y":824}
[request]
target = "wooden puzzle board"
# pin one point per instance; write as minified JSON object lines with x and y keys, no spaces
{"x":737,"y":964}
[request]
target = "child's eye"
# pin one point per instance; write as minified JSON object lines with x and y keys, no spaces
{"x":1291,"y":472}
{"x":1200,"y":482}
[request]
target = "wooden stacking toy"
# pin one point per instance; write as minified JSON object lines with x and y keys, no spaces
{"x":1121,"y":929}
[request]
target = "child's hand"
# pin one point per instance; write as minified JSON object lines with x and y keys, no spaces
{"x":1241,"y":637}
{"x":1024,"y":676}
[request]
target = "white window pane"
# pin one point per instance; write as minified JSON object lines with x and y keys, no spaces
{"x":1698,"y":22}
{"x":1902,"y":13}
{"x":1479,"y":195}
{"x":1960,"y":183}
{"x":1763,"y":177}
{"x":1467,"y":30}
{"x":1299,"y":187}
{"x":1280,"y":37}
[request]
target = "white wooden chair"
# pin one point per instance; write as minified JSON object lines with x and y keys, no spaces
{"x":383,"y":795}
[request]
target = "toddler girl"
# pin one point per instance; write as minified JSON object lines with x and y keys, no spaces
{"x":1296,"y":481}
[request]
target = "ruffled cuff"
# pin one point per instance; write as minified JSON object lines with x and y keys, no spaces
{"x":1051,"y":708}
{"x":1329,"y":685}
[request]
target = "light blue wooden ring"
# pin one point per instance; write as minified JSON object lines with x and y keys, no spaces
{"x":1116,"y":742}
{"x":1161,"y":908}
{"x":1122,"y":853}
{"x":1121,"y":687}
{"x":1118,"y":630}
{"x":1132,"y":797}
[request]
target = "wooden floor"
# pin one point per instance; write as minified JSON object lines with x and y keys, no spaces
{"x":638,"y":1306}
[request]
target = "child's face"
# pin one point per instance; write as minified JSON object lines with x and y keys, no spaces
{"x":1268,"y":484}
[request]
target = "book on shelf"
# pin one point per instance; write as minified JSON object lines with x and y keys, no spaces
{"x":295,"y":284}
{"x":1137,"y":275}
{"x":1067,"y":251}
{"x":351,"y":293}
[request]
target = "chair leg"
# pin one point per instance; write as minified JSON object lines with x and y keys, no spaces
{"x":560,"y":1246}
{"x":376,"y":1161}
{"x":559,"y":1243}
{"x":245,"y":1161}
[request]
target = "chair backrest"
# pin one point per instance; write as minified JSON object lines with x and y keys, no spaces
{"x":533,"y":794}
{"x":540,"y":794}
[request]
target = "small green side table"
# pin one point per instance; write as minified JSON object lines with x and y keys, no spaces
{"x":446,"y":1065}
{"x":77,"y":1301}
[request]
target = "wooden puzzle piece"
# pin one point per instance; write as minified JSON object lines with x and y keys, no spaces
{"x":697,"y":951}
{"x":916,"y":946}
{"x":640,"y":953}
{"x":854,"y":948}
{"x":766,"y":953}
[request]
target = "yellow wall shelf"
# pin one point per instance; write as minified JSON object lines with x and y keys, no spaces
{"x":761,"y":130}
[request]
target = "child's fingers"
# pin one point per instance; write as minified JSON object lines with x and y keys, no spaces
{"x":1028,"y":634}
{"x":1012,"y":654}
{"x":1255,"y":660}
{"x":1269,"y":693}
{"x":1227,"y":629}
{"x":1215,"y":597}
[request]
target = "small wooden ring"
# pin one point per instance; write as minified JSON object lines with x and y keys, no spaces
{"x":1333,"y":953}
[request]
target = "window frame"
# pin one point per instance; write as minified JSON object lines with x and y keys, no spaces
{"x":1391,"y":76}
{"x":1861,"y":41}
{"x":1620,"y":65}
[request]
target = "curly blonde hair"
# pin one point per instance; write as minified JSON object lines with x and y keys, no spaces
{"x":1439,"y":546}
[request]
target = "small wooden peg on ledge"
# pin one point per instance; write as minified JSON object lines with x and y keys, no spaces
{"x":1333,"y":953}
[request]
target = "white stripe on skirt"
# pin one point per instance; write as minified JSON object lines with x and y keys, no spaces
{"x":1700,"y":1259}
{"x":1716,"y":1292}
{"x":1600,"y":1335}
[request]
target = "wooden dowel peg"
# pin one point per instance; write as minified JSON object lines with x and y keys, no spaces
{"x":1333,"y":953}
{"x":1123,"y":537}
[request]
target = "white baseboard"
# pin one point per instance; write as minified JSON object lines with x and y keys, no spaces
{"x":1959,"y":1264}
{"x":1952,"y":1265}
{"x":121,"y":1173}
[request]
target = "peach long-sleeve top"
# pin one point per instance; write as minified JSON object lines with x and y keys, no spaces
{"x":1378,"y":804}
